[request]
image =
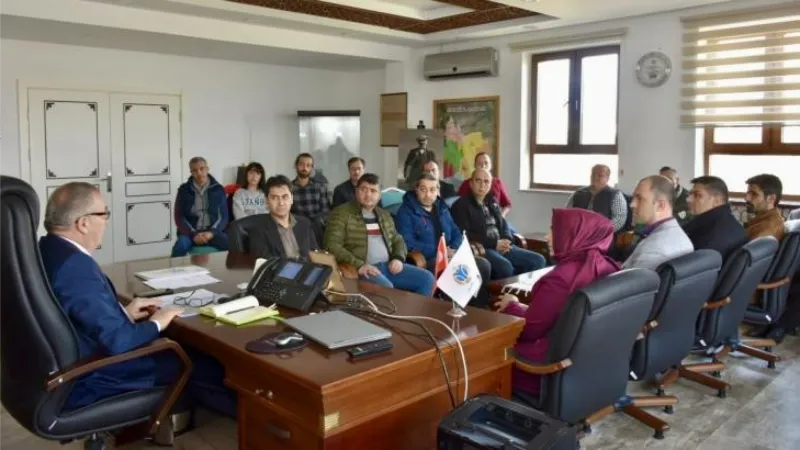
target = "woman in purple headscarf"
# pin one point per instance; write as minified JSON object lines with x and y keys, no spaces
{"x":579,"y":239}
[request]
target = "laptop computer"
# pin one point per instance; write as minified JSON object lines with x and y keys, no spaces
{"x":337,"y":329}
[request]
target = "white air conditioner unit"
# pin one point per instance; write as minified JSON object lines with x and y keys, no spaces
{"x":478,"y":62}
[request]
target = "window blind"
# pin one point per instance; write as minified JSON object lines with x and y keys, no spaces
{"x":742,"y":68}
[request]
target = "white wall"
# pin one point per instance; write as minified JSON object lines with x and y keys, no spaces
{"x":232,"y":112}
{"x":649,"y":133}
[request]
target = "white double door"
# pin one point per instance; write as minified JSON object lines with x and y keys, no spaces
{"x":128,"y":145}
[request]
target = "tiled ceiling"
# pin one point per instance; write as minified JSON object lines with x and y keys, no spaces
{"x":480,"y":12}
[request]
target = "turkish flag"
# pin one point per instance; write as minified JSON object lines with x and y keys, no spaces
{"x":441,"y":257}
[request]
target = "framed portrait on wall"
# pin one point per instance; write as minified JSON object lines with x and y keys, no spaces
{"x":470,"y":126}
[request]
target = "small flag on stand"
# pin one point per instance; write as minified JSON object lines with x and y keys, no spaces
{"x":441,"y":257}
{"x":461,"y":279}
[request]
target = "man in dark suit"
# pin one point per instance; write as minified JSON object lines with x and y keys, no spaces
{"x":713,"y":225}
{"x":284,"y":234}
{"x":75,"y":219}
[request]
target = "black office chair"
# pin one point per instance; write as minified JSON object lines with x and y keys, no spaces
{"x":686,"y":283}
{"x":770,"y":300}
{"x":40,"y":348}
{"x":239,"y":231}
{"x":718,"y":324}
{"x":585,"y":375}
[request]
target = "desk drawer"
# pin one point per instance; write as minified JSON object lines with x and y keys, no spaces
{"x":262,"y":428}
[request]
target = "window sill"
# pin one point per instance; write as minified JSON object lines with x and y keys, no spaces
{"x":545,"y":191}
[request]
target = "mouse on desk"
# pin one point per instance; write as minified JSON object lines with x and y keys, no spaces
{"x":286,"y":338}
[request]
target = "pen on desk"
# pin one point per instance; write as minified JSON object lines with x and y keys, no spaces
{"x":239,"y":310}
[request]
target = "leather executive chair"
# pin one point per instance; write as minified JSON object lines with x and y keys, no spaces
{"x":718,"y":324}
{"x":585,"y":374}
{"x":772,"y":293}
{"x":667,"y":338}
{"x":239,"y":232}
{"x":40,"y":348}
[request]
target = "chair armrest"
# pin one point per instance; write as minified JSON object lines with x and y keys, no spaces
{"x":94,"y":363}
{"x":159,"y":345}
{"x":520,"y":241}
{"x":646,"y":329}
{"x":348,"y":271}
{"x":418,"y":259}
{"x":624,"y":240}
{"x":542,"y":369}
{"x":774,"y":284}
{"x":717,"y":304}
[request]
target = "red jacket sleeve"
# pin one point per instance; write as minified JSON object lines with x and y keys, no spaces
{"x":502,"y":195}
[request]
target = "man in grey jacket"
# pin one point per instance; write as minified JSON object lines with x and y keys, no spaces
{"x":662,"y":238}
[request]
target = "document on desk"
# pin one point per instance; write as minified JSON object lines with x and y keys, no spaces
{"x":186,"y":299}
{"x":240,"y":312}
{"x":526,"y":282}
{"x":183,"y":281}
{"x":171,"y":272}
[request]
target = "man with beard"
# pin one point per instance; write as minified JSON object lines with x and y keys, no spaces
{"x":762,"y":197}
{"x":310,"y":196}
{"x":713,"y":225}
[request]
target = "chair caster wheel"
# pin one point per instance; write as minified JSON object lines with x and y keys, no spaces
{"x":669,"y":409}
{"x":770,"y":364}
{"x":716,"y":374}
{"x":660,"y":392}
{"x":94,"y":444}
{"x":587,"y":429}
{"x":659,"y":434}
{"x":722,"y":393}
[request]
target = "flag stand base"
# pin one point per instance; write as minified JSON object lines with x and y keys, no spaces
{"x":456,"y":311}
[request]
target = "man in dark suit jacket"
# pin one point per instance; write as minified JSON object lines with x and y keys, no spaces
{"x":713,"y":225}
{"x":481,"y":217}
{"x":284,"y":234}
{"x":75,"y":220}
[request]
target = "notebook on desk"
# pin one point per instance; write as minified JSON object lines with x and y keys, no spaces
{"x":337,"y":329}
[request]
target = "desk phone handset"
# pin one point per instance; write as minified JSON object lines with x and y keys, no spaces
{"x":290,"y":283}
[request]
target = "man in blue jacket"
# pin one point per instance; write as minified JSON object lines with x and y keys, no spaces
{"x":75,"y":220}
{"x":201,"y":211}
{"x":423,"y":218}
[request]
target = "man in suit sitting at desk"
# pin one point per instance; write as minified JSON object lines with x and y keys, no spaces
{"x":283,"y":234}
{"x":75,"y":219}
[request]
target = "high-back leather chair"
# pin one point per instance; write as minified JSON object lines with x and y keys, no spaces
{"x":40,"y":347}
{"x":585,"y":374}
{"x":239,"y":231}
{"x":770,"y":300}
{"x":667,"y":338}
{"x":718,"y":325}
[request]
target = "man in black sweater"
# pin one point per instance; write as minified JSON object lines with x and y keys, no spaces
{"x":284,"y":234}
{"x":713,"y":225}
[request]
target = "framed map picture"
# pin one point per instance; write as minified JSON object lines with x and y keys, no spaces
{"x":470,"y":126}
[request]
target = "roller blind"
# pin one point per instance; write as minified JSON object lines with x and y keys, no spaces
{"x":742,"y":68}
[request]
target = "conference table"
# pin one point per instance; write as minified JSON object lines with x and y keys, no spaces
{"x":319,"y":399}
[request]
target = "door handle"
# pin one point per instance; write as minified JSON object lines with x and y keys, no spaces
{"x":108,"y":180}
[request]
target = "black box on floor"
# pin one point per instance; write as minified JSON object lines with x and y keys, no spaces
{"x":490,"y":422}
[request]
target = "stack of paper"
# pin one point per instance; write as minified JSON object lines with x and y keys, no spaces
{"x":177,"y":277}
{"x":526,"y":282}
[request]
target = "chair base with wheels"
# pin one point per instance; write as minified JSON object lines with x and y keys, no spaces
{"x":634,"y":408}
{"x":697,"y":372}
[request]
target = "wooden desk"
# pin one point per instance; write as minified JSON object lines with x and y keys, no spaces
{"x":318,"y":399}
